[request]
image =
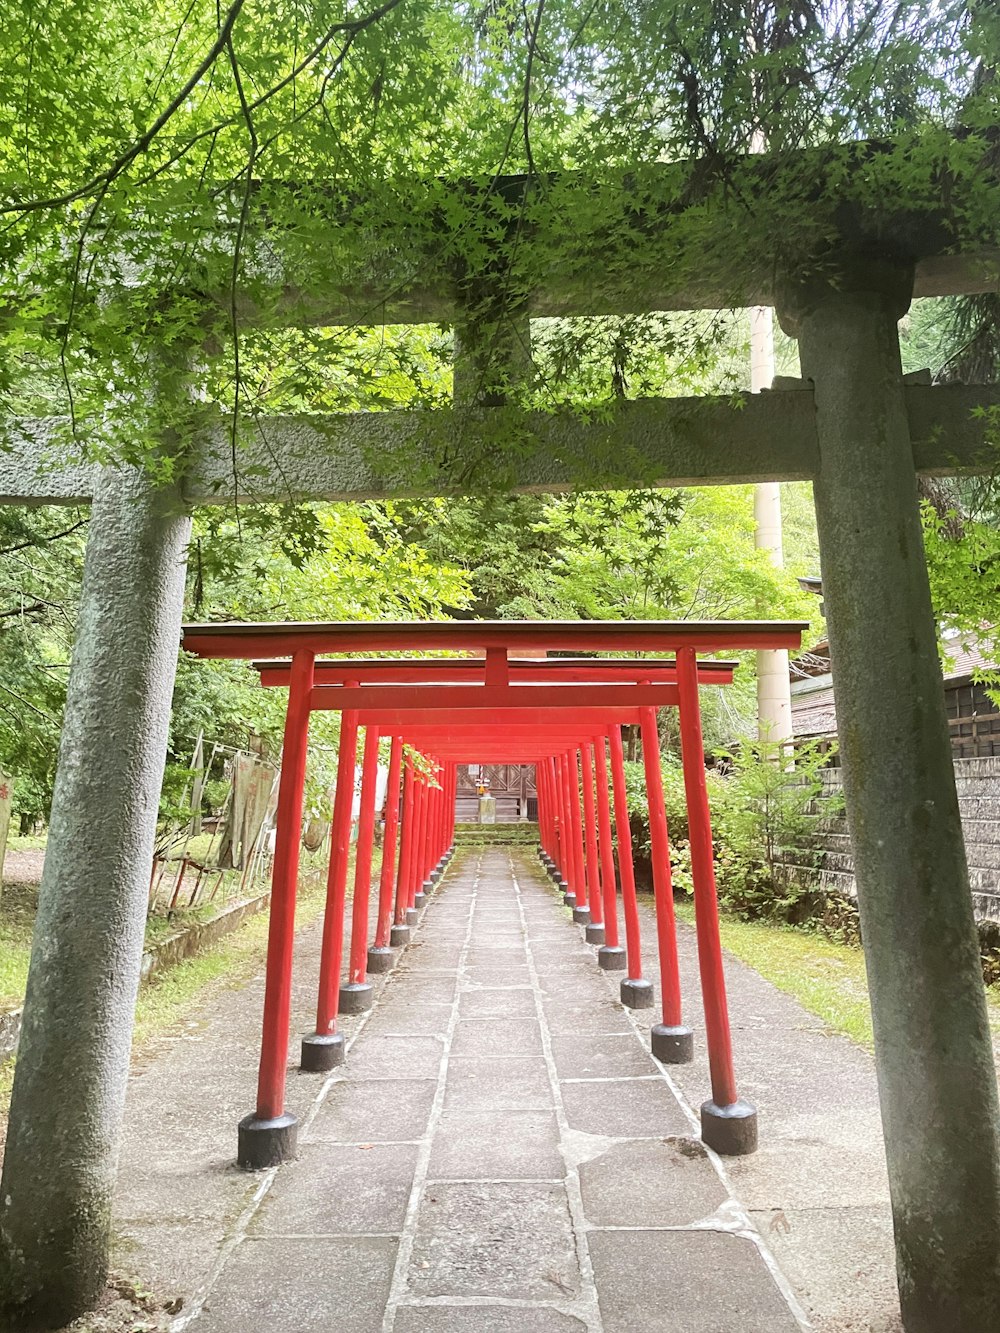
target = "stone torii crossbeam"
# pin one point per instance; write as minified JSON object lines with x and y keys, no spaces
{"x":854,"y":428}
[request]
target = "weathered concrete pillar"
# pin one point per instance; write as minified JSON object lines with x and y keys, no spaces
{"x":937,"y":1085}
{"x":69,"y":1086}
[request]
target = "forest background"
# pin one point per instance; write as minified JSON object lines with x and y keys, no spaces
{"x":173,"y":141}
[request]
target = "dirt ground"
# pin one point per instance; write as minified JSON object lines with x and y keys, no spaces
{"x":23,"y":867}
{"x":126,"y":1308}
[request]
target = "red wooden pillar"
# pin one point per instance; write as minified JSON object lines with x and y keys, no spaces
{"x":551,"y":788}
{"x":595,"y":931}
{"x":581,"y":912}
{"x":419,"y":863}
{"x":636,"y":992}
{"x":380,"y":954}
{"x":544,"y":812}
{"x":671,"y":1041}
{"x":356,"y":995}
{"x":728,"y":1124}
{"x":400,"y":933}
{"x":565,"y":854}
{"x":325,"y":1047}
{"x":447,"y":806}
{"x":435,"y":848}
{"x":611,"y":956}
{"x":453,"y":806}
{"x":437,"y":842}
{"x":567,"y":865}
{"x":269,"y":1135}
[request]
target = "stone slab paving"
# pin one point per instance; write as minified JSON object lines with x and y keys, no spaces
{"x":817,"y":1187}
{"x":499,"y":1152}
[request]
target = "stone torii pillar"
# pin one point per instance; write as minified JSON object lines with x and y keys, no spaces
{"x":937,"y":1085}
{"x":69,"y":1085}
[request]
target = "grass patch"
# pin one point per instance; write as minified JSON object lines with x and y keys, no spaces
{"x":27,"y":842}
{"x":17,"y":919}
{"x":162,"y":925}
{"x":825,"y":977}
{"x":169,"y":995}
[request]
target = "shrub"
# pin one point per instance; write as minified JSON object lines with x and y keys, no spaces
{"x":767,"y":810}
{"x":675,"y":804}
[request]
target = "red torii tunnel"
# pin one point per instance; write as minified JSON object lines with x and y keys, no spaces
{"x":564,"y":716}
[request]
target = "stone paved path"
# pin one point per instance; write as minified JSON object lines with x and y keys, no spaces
{"x":817,"y":1187}
{"x":499,"y":1153}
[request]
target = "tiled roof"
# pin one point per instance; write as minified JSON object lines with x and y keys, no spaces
{"x":969,"y":653}
{"x":814,"y":712}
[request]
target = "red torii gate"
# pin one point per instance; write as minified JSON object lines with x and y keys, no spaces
{"x":552,"y":714}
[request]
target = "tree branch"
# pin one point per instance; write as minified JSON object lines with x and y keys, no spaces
{"x":43,"y":541}
{"x":105,"y":178}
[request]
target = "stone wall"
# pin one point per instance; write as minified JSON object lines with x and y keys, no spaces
{"x":979,"y":801}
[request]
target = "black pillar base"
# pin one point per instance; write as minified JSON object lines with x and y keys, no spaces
{"x":581,"y":915}
{"x":569,"y":899}
{"x":419,"y":898}
{"x":356,"y":997}
{"x":412,"y":917}
{"x":437,"y":872}
{"x":636,"y":993}
{"x":399,"y":935}
{"x":730,"y":1130}
{"x":428,"y":885}
{"x":264,"y":1143}
{"x":380,"y":960}
{"x":672,"y":1046}
{"x":321,"y":1052}
{"x":594,"y":933}
{"x":612,"y":958}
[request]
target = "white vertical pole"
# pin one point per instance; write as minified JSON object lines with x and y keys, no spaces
{"x":774,"y":702}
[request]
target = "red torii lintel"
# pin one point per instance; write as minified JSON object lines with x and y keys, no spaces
{"x":262,"y":640}
{"x":472,"y":671}
{"x":464,"y":698}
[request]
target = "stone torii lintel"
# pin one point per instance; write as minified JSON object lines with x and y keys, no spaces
{"x":659,"y":441}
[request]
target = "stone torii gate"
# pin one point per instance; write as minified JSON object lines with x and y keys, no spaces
{"x":853,"y":426}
